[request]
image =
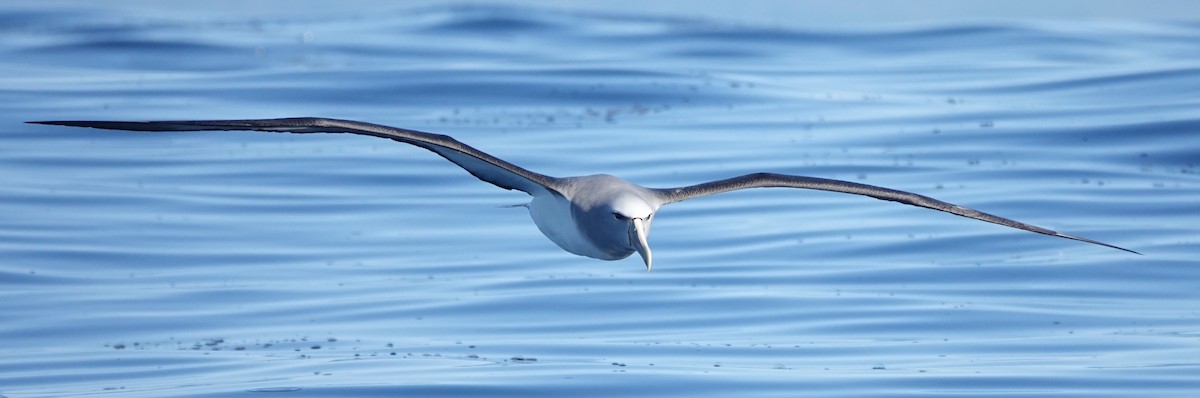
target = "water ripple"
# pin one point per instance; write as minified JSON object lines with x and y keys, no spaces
{"x":228,"y":263}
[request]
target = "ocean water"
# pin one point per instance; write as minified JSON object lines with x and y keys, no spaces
{"x":246,"y":263}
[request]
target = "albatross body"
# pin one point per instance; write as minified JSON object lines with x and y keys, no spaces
{"x":598,"y":216}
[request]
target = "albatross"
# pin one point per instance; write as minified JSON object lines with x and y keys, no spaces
{"x":598,"y":216}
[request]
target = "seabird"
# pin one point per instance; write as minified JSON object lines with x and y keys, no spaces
{"x":598,"y":216}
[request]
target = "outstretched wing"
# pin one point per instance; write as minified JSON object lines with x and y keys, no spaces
{"x":480,"y":164}
{"x":768,"y":180}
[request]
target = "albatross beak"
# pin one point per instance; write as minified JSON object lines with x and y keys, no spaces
{"x":637,"y":238}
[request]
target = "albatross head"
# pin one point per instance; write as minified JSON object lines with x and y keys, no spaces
{"x":633,"y":215}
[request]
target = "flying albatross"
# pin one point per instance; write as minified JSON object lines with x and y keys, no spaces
{"x":598,"y":216}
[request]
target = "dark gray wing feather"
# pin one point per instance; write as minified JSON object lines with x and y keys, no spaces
{"x":482,"y":165}
{"x":767,"y":180}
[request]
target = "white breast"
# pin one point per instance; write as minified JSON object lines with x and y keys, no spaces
{"x":552,"y":215}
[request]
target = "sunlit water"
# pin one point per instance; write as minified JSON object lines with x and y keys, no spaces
{"x":213,"y":264}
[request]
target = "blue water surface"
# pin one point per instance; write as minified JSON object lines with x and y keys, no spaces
{"x":240,"y":263}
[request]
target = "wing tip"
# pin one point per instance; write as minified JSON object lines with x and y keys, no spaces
{"x":54,"y":122}
{"x":149,"y":126}
{"x":1127,"y":250}
{"x":1096,"y":242}
{"x":1122,"y":249}
{"x":111,"y":125}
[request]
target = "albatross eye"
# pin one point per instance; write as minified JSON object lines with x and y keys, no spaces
{"x":619,"y":216}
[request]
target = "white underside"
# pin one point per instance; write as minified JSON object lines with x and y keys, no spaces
{"x":552,"y":215}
